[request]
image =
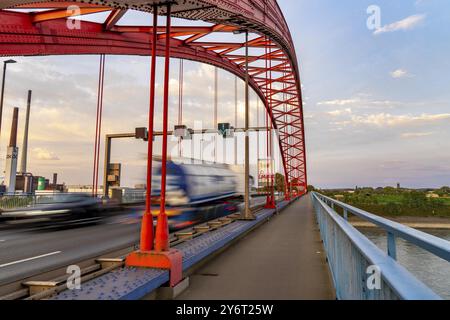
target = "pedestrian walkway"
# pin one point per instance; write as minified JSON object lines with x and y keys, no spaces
{"x":281,"y":260}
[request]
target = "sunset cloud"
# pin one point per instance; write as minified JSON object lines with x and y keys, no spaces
{"x":44,"y":154}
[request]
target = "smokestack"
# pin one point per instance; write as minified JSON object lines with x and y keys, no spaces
{"x":23,"y":163}
{"x":11,"y":156}
{"x":13,"y":137}
{"x":55,"y":179}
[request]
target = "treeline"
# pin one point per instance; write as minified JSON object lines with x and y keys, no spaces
{"x":397,"y":202}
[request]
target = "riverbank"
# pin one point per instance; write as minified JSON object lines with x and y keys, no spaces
{"x":413,"y":222}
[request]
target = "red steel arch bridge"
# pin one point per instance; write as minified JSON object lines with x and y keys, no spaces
{"x":31,"y":28}
{"x":273,"y":71}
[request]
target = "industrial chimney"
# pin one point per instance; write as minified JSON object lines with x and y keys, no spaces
{"x":11,"y":156}
{"x":23,"y":163}
{"x":55,"y":180}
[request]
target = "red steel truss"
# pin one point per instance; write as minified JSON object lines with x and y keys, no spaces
{"x":41,"y":28}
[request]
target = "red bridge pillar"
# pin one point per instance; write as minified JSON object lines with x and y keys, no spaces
{"x":147,"y":239}
{"x":162,"y":257}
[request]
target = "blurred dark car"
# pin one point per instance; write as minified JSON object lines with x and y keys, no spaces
{"x":57,"y":209}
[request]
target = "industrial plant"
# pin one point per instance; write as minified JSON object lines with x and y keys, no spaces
{"x":23,"y":181}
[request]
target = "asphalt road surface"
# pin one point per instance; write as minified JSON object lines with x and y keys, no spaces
{"x":28,"y":252}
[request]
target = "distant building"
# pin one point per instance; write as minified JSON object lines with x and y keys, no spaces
{"x":432,"y":195}
{"x":83,"y":189}
{"x":28,"y":183}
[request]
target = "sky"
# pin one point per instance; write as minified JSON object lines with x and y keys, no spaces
{"x":377,"y":100}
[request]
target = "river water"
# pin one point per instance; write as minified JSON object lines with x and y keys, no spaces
{"x":431,"y":270}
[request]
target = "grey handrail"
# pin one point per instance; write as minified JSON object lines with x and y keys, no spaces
{"x":399,"y":280}
{"x":432,"y":244}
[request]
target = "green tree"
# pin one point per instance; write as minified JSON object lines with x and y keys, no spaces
{"x":415,"y":199}
{"x":443,"y":192}
{"x":390,"y":190}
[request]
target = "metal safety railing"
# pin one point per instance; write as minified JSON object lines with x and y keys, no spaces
{"x":133,"y":197}
{"x":360,"y":269}
{"x":19,"y":201}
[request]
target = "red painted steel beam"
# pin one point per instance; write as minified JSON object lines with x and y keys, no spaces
{"x":64,"y":13}
{"x":51,"y":5}
{"x":113,"y":18}
{"x":53,"y":38}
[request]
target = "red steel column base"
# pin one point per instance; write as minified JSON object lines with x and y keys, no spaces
{"x":171,"y":260}
{"x":270,"y":204}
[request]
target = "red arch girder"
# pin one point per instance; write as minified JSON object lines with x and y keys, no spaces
{"x":46,"y":33}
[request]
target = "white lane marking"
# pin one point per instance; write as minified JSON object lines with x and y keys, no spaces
{"x":28,"y":259}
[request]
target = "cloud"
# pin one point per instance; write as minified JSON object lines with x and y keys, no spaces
{"x":337,"y":113}
{"x":399,"y":73}
{"x":408,"y":23}
{"x":416,"y":134}
{"x":389,"y":120}
{"x":339,"y":102}
{"x":358,"y":101}
{"x":44,"y":154}
{"x":366,"y":101}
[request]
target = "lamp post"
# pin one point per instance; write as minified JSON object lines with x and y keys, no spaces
{"x":247,"y":213}
{"x":5,"y":63}
{"x":201,"y":150}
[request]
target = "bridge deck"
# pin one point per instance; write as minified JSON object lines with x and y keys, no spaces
{"x":283,"y":259}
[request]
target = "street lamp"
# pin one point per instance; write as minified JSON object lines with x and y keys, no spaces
{"x":5,"y":63}
{"x":247,"y":214}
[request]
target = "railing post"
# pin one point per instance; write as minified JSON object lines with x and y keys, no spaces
{"x":391,"y":246}
{"x":345,"y":214}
